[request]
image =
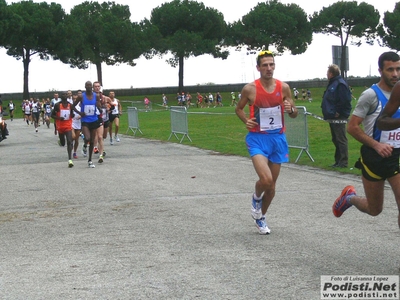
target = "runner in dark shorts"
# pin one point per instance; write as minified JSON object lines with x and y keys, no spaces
{"x":89,"y":103}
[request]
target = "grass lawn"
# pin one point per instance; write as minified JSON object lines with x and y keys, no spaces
{"x":220,"y":130}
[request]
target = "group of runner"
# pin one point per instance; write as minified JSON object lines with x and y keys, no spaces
{"x":89,"y":114}
{"x":209,"y":100}
{"x":35,"y":111}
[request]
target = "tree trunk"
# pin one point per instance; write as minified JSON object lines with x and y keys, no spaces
{"x":99,"y":73}
{"x":343,"y":60}
{"x":26,"y":59}
{"x":180,"y":74}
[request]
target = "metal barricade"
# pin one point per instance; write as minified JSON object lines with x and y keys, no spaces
{"x":133,"y":120}
{"x":179,"y":122}
{"x":297,"y":132}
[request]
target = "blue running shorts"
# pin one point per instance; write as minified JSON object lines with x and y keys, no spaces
{"x":273,"y":146}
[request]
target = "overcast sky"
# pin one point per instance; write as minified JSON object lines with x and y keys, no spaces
{"x":238,"y":68}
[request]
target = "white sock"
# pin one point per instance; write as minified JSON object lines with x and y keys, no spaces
{"x":257,"y":198}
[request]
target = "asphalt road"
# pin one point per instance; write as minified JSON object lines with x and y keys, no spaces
{"x":163,"y":220}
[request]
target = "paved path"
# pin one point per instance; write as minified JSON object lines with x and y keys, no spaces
{"x":167,"y":221}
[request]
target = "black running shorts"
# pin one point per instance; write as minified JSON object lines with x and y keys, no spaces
{"x":92,"y":125}
{"x":375,"y":167}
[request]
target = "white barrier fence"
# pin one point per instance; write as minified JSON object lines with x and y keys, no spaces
{"x":179,"y":122}
{"x":297,"y":132}
{"x":133,"y":120}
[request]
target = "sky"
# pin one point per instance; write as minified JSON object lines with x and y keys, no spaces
{"x":239,"y":67}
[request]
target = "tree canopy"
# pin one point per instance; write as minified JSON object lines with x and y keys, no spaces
{"x":347,"y":19}
{"x":389,"y":31}
{"x":38,"y":30}
{"x":188,"y":28}
{"x":5,"y":19}
{"x":284,"y":26}
{"x":100,"y":33}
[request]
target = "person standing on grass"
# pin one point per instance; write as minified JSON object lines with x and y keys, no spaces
{"x":268,"y":99}
{"x":309,"y":95}
{"x":206,"y":102}
{"x":62,"y":114}
{"x":336,"y":107}
{"x":233,"y":97}
{"x":199,"y":102}
{"x":146,"y":102}
{"x":210,"y":99}
{"x":219,"y":99}
{"x":351,"y":91}
{"x":188,"y":98}
{"x":164,"y":100}
{"x":296,"y":94}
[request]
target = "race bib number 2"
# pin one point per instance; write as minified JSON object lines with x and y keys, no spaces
{"x":270,"y":118}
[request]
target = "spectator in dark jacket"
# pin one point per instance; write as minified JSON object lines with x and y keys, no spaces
{"x":336,"y":108}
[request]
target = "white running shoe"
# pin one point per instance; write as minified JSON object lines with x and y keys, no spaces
{"x":256,"y":209}
{"x":117,"y":139}
{"x":90,"y":164}
{"x":111,"y":142}
{"x":262,"y":226}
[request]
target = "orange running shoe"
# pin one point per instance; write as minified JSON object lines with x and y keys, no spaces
{"x":343,"y":201}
